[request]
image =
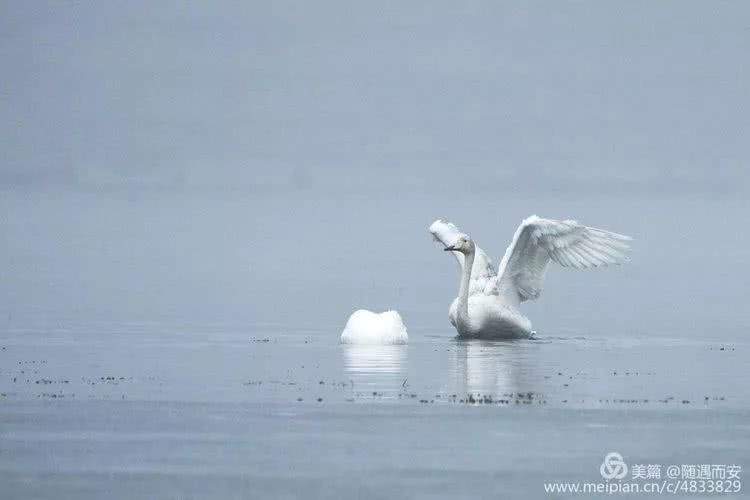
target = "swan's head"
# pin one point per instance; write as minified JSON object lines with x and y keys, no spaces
{"x":463,"y":244}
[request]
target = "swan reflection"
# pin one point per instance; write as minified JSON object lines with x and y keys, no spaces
{"x":376,"y":366}
{"x":490,"y":368}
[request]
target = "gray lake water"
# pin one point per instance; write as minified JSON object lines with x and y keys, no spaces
{"x":179,"y":346}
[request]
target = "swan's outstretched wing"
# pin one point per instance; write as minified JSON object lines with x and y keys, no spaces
{"x":483,"y":275}
{"x":570,"y":244}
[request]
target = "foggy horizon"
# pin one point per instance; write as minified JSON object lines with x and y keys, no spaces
{"x":640,"y":98}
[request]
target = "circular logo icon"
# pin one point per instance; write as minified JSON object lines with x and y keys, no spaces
{"x":613,"y":467}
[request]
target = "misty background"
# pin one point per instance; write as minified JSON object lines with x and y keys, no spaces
{"x":279,"y":163}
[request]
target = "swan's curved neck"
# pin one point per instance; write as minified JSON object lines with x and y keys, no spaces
{"x":463,"y":291}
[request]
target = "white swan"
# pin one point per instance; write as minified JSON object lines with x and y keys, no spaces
{"x":488,"y":302}
{"x":367,"y":327}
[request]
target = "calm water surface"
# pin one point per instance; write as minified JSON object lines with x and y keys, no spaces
{"x":140,"y":410}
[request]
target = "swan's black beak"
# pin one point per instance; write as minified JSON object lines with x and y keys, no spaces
{"x":448,"y":249}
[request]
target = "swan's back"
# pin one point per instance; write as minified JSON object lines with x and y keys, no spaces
{"x":367,"y":327}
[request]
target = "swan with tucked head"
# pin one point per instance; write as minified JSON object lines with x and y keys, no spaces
{"x":488,"y":302}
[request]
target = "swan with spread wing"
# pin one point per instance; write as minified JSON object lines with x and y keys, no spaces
{"x":488,"y":302}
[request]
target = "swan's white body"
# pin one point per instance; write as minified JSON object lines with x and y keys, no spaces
{"x":367,"y":327}
{"x":488,"y":302}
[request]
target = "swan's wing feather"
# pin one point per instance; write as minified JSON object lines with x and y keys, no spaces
{"x":568,"y":243}
{"x":483,"y":275}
